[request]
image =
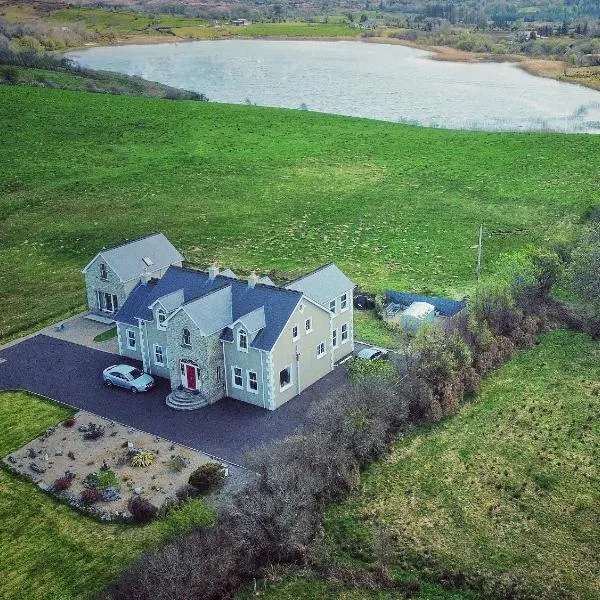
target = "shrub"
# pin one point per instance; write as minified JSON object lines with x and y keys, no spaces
{"x":142,"y":459}
{"x":93,"y":432}
{"x":68,"y":422}
{"x":62,"y":483}
{"x":102,"y":480}
{"x":207,"y":476}
{"x":9,"y":74}
{"x":141,"y":509}
{"x":90,"y":496}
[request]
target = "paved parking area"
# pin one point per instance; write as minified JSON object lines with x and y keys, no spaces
{"x":71,"y":374}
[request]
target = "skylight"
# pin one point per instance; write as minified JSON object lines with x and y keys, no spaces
{"x":148,"y":261}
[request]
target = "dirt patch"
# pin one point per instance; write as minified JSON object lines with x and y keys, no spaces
{"x":64,"y":451}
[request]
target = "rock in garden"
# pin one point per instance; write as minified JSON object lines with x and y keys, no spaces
{"x":137,"y":490}
{"x":36,"y":468}
{"x":11,"y":459}
{"x":71,"y":455}
{"x":31,"y":453}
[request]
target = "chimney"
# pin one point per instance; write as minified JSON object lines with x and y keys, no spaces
{"x":213,"y":271}
{"x":252,"y":279}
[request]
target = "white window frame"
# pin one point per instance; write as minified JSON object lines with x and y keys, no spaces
{"x":218,"y":374}
{"x":322,"y":346}
{"x":344,"y":332}
{"x":308,"y":329}
{"x":248,"y":380}
{"x":161,"y":324}
{"x":103,"y":272}
{"x":296,"y":337}
{"x":344,"y":302}
{"x":160,"y":363}
{"x":334,"y":338}
{"x":239,"y":337}
{"x":131,"y":337}
{"x":183,"y":342}
{"x":332,"y":310}
{"x":301,"y":308}
{"x":233,"y":376}
{"x":287,"y":386}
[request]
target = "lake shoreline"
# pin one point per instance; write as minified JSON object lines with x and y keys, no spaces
{"x":552,"y":69}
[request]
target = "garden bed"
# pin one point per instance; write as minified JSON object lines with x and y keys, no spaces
{"x":87,"y":452}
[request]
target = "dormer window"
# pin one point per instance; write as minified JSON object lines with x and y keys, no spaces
{"x":243,"y":340}
{"x":161,"y":317}
{"x":103,"y":271}
{"x":186,"y":337}
{"x":332,"y":307}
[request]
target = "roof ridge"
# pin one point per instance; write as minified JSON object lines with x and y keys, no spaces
{"x":138,"y":239}
{"x":311,"y":273}
{"x":232,"y":281}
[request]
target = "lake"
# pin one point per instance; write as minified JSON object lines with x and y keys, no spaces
{"x":376,"y":81}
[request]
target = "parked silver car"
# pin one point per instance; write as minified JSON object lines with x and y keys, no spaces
{"x":372,"y":354}
{"x":127,"y":377}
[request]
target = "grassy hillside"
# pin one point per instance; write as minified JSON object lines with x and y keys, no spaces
{"x":50,"y":551}
{"x":510,"y":486}
{"x":276,"y":190}
{"x":87,"y":80}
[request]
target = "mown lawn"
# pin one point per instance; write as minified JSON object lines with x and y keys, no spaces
{"x":271,"y":189}
{"x":510,"y":486}
{"x":50,"y":551}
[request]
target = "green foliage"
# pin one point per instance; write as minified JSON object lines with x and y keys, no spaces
{"x":220,"y":154}
{"x":440,"y":355}
{"x":371,"y":369}
{"x":109,"y":334}
{"x":584,"y":270}
{"x":207,"y":476}
{"x":9,"y":74}
{"x":64,"y":553}
{"x":142,"y":459}
{"x":102,"y":479}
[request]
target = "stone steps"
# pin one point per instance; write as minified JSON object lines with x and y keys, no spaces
{"x":183,"y":400}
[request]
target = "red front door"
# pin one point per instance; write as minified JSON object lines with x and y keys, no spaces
{"x":190,"y":373}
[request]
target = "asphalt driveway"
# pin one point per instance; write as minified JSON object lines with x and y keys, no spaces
{"x":71,"y":374}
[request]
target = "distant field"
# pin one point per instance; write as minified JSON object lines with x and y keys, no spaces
{"x":508,"y":486}
{"x":271,"y":189}
{"x":49,"y":551}
{"x":127,"y":23}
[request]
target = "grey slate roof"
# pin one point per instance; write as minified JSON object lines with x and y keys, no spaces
{"x":131,"y":259}
{"x":323,"y":285}
{"x":212,"y":312}
{"x":255,"y":320}
{"x":171,"y":301}
{"x":278,"y":304}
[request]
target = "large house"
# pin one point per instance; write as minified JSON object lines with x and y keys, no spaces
{"x":214,"y":335}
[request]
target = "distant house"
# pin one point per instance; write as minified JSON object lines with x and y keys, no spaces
{"x":240,"y":22}
{"x":215,"y":335}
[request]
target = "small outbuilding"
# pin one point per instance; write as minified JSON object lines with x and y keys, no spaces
{"x":416,"y":315}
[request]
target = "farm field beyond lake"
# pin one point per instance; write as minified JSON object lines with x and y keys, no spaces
{"x":376,"y":81}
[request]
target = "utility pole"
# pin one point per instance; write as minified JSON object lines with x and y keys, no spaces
{"x":479,"y":248}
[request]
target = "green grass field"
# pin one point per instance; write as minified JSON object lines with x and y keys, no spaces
{"x":49,"y":551}
{"x":126,"y":23}
{"x":509,"y":486}
{"x":277,"y":190}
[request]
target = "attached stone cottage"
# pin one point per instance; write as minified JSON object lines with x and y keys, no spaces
{"x":114,"y":272}
{"x":213,"y":335}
